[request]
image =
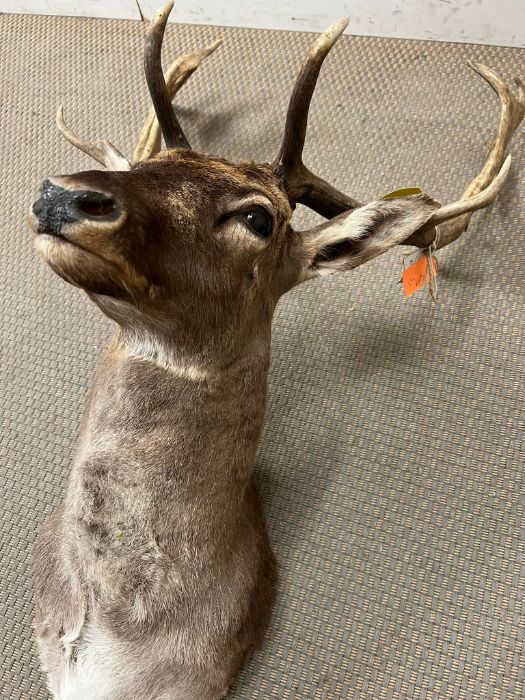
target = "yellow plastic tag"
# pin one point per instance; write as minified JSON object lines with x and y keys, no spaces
{"x":405,"y":192}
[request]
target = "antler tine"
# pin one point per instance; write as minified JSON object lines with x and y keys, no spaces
{"x":103,"y":152}
{"x":297,"y":117}
{"x":176,"y":75}
{"x":301,"y":184}
{"x":169,"y":124}
{"x":453,"y":219}
{"x":512,"y":112}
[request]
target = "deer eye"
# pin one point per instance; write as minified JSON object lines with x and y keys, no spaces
{"x":259,"y":221}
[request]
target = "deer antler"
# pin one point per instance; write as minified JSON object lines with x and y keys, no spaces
{"x":307,"y":188}
{"x":454,"y":218}
{"x":103,"y":152}
{"x":171,"y":129}
{"x":176,"y":75}
{"x":302,"y":185}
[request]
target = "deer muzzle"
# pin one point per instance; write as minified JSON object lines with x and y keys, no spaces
{"x":59,"y":207}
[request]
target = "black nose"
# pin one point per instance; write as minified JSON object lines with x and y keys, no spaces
{"x":58,"y":206}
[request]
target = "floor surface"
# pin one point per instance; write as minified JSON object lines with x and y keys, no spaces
{"x":391,"y":467}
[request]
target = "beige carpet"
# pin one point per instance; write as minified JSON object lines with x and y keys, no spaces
{"x":392,"y":463}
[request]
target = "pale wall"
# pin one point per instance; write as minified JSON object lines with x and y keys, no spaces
{"x":499,"y":22}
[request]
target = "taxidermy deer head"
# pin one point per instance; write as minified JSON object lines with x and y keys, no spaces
{"x":155,"y":576}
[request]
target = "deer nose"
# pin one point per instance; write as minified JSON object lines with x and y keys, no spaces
{"x":58,"y":206}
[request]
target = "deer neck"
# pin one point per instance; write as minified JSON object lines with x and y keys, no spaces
{"x":159,"y":431}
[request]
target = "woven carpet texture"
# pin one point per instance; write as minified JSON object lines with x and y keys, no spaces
{"x":391,"y":465}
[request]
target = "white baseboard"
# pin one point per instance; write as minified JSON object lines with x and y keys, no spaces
{"x":118,"y":9}
{"x":496,"y":22}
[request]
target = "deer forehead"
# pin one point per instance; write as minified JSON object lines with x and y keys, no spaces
{"x":193,"y":178}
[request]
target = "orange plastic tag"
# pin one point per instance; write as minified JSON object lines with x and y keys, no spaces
{"x":417,"y":275}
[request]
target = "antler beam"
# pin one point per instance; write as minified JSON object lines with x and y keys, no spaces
{"x":176,"y":76}
{"x":453,"y":219}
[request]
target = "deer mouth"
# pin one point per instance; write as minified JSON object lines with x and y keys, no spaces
{"x":48,"y":244}
{"x":63,"y":246}
{"x":86,"y":268}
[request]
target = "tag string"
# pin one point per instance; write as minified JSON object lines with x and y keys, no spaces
{"x":432,"y":279}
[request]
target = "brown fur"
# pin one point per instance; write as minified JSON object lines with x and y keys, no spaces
{"x":155,"y":577}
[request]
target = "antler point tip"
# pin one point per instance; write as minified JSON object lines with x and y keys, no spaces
{"x":163,"y":12}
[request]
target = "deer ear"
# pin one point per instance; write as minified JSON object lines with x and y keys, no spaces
{"x":355,"y":237}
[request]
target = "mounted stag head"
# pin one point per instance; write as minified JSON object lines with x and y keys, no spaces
{"x":182,"y":224}
{"x":155,"y":576}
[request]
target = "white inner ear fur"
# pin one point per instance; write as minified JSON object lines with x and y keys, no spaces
{"x":370,"y":231}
